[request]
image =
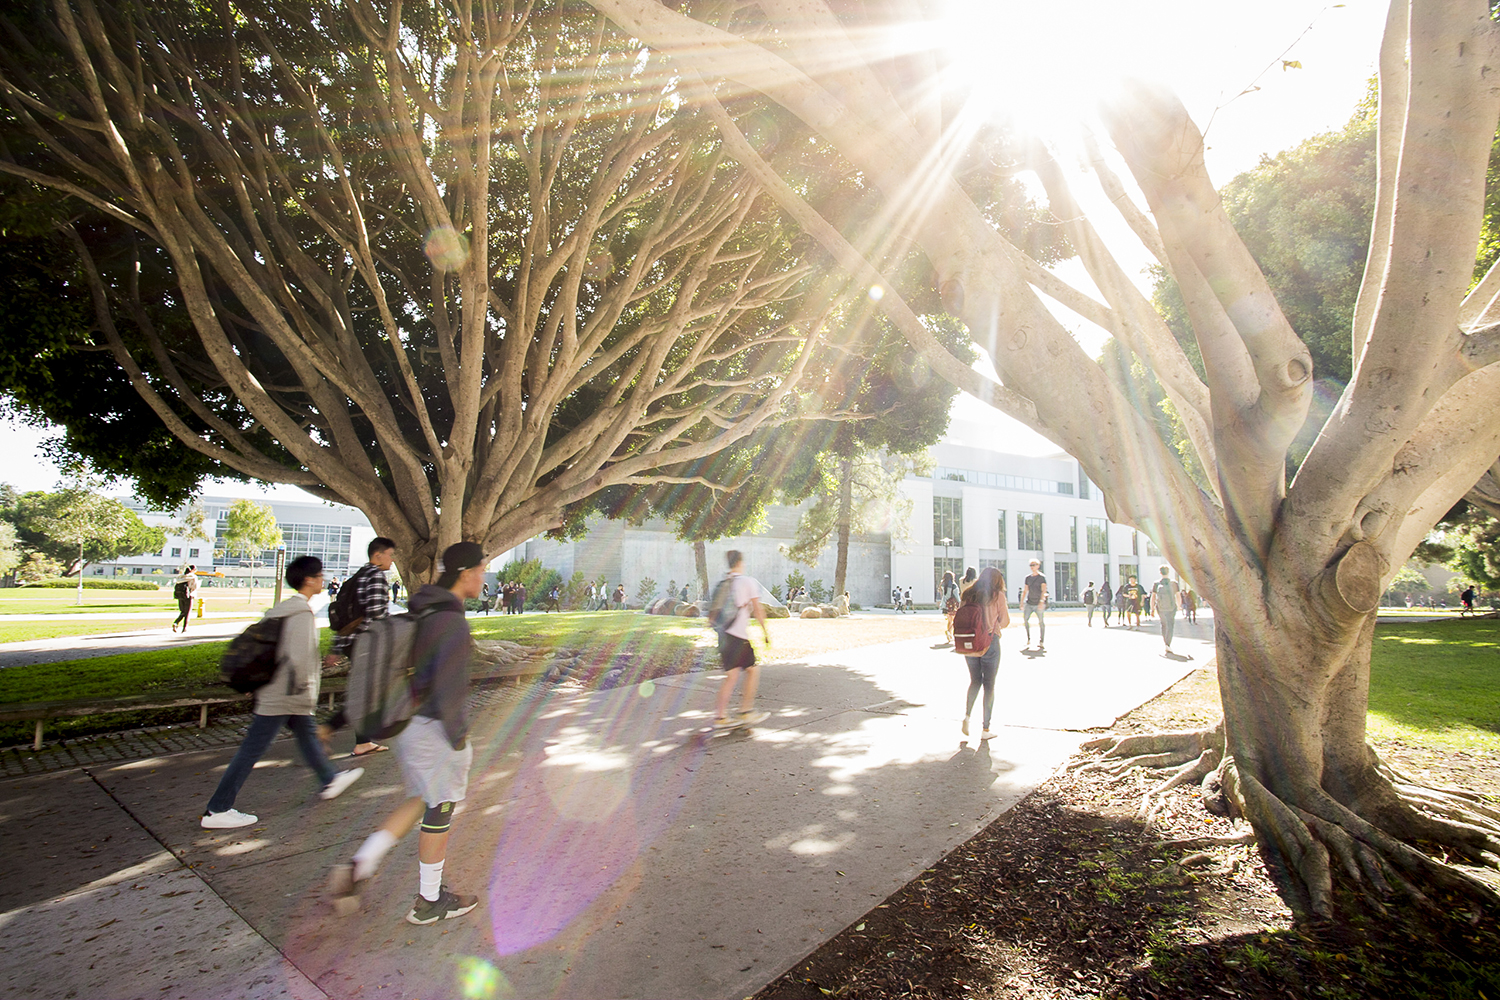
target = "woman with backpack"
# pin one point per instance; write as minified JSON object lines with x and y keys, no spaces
{"x":183,"y":589}
{"x":982,"y":613}
{"x":949,"y":592}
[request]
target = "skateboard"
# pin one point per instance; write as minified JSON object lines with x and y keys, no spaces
{"x":739,"y":724}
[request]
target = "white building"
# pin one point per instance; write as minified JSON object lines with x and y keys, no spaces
{"x":336,"y":534}
{"x":1005,"y":510}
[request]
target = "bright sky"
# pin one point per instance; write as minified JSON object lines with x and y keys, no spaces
{"x":1208,"y":51}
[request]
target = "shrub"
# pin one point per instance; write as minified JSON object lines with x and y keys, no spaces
{"x":101,"y":583}
{"x":776,"y":592}
{"x":573,"y":593}
{"x":795,"y":579}
{"x":645,"y":591}
{"x":531,"y":574}
{"x":817,"y":592}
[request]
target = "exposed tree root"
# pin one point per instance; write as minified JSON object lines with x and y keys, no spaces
{"x":1311,"y":842}
{"x":1153,"y":801}
{"x":1304,"y":843}
{"x":1234,"y":840}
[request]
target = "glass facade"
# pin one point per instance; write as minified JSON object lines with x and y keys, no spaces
{"x":1065,"y":586}
{"x":1097,"y":531}
{"x":1002,"y":531}
{"x":329,"y":542}
{"x":948,"y":520}
{"x":1072,"y":534}
{"x":1028,"y":532}
{"x":1000,"y":481}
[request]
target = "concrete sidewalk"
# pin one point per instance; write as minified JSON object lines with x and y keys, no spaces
{"x":619,"y":850}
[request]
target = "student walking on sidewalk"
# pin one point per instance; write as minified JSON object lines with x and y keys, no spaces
{"x":371,"y":597}
{"x":988,"y":594}
{"x":184,"y":588}
{"x":735,"y":652}
{"x":434,"y":748}
{"x":288,"y":699}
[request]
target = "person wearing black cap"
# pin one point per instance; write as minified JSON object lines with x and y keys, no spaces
{"x":433,"y":749}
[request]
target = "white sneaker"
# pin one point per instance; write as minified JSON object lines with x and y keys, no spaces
{"x":965,"y":727}
{"x":229,"y":819}
{"x":987,"y":735}
{"x":340,"y":781}
{"x":751,"y":717}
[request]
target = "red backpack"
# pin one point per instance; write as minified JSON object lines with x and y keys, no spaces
{"x":971,"y":633}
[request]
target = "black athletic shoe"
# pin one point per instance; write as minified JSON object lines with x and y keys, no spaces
{"x":447,"y":906}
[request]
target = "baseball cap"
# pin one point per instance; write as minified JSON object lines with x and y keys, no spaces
{"x":457,"y":558}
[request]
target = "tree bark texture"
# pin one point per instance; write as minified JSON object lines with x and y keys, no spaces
{"x":845,"y":521}
{"x":1293,"y":571}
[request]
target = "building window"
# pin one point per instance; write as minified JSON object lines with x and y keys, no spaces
{"x":1066,"y":581}
{"x":1135,"y":543}
{"x":1073,"y":534}
{"x":948,"y":521}
{"x":1096,"y":530}
{"x":1028,"y":531}
{"x":1151,"y":549}
{"x":1000,"y":481}
{"x":176,"y":551}
{"x":1085,"y":487}
{"x":998,"y":564}
{"x":192,"y":553}
{"x":136,"y":570}
{"x":1002,"y":530}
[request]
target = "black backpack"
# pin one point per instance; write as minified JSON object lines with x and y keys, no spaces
{"x":344,"y":610}
{"x":250,"y":661}
{"x":180,"y":592}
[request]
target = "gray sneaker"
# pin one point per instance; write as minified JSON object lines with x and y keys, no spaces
{"x":447,"y":906}
{"x":750,"y":718}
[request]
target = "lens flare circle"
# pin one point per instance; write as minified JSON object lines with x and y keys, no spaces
{"x":447,"y":249}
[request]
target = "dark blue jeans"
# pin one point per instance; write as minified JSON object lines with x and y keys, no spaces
{"x":263,"y":730}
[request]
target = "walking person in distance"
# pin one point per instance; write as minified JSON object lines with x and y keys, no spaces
{"x":987,"y":597}
{"x":1105,"y":599}
{"x":184,"y":588}
{"x":1035,"y":591}
{"x":1166,"y":598}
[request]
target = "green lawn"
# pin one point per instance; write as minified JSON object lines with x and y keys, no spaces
{"x":24,"y":631}
{"x":1437,"y":684}
{"x":41,"y":601}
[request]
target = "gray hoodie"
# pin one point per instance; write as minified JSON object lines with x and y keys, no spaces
{"x":444,"y":647}
{"x":293,"y":689}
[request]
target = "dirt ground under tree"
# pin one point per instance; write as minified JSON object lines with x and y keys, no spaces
{"x":1070,"y":896}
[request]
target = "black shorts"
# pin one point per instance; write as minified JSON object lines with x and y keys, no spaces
{"x":736,"y":653}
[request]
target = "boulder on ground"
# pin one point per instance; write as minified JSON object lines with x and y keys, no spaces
{"x":829,"y":610}
{"x":688,"y":611}
{"x":778,"y":611}
{"x":811,"y":613}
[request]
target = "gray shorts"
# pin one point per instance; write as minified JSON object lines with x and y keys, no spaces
{"x":433,"y":770}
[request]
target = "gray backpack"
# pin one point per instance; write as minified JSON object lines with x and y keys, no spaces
{"x":379,"y":700}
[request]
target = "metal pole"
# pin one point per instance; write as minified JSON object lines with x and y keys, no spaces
{"x":280,"y":570}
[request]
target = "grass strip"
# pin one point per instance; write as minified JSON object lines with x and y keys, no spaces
{"x":1437,"y":684}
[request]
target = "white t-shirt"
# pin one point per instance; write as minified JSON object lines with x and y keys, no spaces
{"x":742,"y":590}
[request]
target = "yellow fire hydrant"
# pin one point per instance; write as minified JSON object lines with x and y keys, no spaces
{"x":200,"y":607}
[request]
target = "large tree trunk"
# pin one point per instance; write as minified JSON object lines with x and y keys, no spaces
{"x":1294,"y":677}
{"x":700,"y":562}
{"x":846,"y":517}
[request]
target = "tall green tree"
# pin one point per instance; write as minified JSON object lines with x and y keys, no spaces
{"x":459,"y":272}
{"x":35,"y":513}
{"x":77,"y":516}
{"x":249,"y":530}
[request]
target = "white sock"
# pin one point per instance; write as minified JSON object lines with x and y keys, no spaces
{"x":431,"y":878}
{"x":371,"y":853}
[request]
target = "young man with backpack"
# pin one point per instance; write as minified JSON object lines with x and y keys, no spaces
{"x":364,"y":598}
{"x":288,"y":699}
{"x":1166,"y":598}
{"x":1088,"y":603}
{"x":183,"y":589}
{"x":433,"y":748}
{"x":736,"y":597}
{"x":1034,"y":589}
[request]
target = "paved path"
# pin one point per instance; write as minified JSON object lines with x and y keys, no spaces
{"x":619,"y":850}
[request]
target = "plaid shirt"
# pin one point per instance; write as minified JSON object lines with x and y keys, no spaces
{"x":372,"y":597}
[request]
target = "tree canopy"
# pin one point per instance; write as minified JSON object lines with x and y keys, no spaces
{"x":458,"y":271}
